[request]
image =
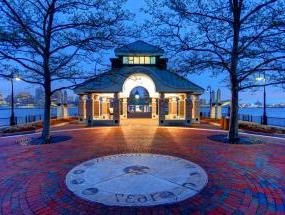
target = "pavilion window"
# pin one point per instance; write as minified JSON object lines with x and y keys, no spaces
{"x":147,"y":60}
{"x":142,"y":60}
{"x":131,"y":60}
{"x":125,"y":60}
{"x":139,"y":60}
{"x":136,"y":60}
{"x":152,"y":60}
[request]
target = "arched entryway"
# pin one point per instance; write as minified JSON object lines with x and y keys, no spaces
{"x":139,"y":97}
{"x":139,"y":80}
{"x":139,"y":103}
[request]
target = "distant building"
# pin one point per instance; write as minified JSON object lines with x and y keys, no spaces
{"x":65,"y":99}
{"x":24,"y":99}
{"x":71,"y":100}
{"x":39,"y":97}
{"x":245,"y":105}
{"x":2,"y":101}
{"x":203,"y":102}
{"x":57,"y":98}
{"x":258,"y":104}
{"x":8,"y":99}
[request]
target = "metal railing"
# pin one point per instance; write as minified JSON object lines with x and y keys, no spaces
{"x":275,"y":121}
{"x":21,"y":120}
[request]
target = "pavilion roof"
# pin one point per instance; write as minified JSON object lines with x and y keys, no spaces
{"x":165,"y":81}
{"x":139,"y":48}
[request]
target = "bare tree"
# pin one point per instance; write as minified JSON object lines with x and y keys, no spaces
{"x":239,"y":38}
{"x":52,"y":41}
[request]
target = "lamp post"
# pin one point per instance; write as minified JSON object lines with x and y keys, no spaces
{"x":264,"y":116}
{"x":12,"y":117}
{"x":209,"y":90}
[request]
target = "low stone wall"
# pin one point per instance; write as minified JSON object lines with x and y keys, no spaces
{"x":33,"y":126}
{"x":215,"y":122}
{"x":250,"y":126}
{"x":175,"y":123}
{"x":104,"y":123}
{"x":253,"y":126}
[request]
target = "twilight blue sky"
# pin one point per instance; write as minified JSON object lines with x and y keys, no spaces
{"x":275,"y":95}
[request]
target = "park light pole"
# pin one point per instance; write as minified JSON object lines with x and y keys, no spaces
{"x":263,"y":80}
{"x":12,"y":117}
{"x":209,"y":90}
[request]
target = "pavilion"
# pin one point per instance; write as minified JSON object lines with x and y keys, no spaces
{"x":139,"y":86}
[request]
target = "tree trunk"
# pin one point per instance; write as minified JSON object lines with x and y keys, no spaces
{"x":46,"y":121}
{"x":233,"y":131}
{"x":47,"y":74}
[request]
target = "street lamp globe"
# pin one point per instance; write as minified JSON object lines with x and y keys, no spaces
{"x":209,"y":89}
{"x":259,"y":78}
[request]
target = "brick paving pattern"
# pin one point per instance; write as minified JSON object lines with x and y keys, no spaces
{"x":243,"y":179}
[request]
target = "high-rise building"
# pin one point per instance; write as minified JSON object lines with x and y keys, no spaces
{"x":76,"y":100}
{"x":70,"y":100}
{"x":2,"y":101}
{"x":39,"y":97}
{"x":64,"y":99}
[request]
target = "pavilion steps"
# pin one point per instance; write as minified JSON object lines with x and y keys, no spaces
{"x":139,"y":115}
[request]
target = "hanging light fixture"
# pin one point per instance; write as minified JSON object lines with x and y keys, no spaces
{"x":137,"y":95}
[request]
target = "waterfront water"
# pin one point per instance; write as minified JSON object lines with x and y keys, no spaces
{"x":21,"y":113}
{"x":271,"y":112}
{"x":276,"y":115}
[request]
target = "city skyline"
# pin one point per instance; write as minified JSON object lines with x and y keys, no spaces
{"x":36,"y":99}
{"x":275,"y":94}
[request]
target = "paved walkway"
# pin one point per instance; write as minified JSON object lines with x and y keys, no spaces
{"x":242,"y":179}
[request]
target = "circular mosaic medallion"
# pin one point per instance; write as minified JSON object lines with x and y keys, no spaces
{"x":136,"y":179}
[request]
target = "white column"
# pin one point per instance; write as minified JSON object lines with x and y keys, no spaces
{"x":116,"y":109}
{"x":213,"y":111}
{"x":188,"y":109}
{"x":153,"y":108}
{"x":89,"y":108}
{"x":219,"y":112}
{"x":173,"y":109}
{"x":161,"y":109}
{"x":181,"y":107}
{"x":105,"y":111}
{"x":196,"y":109}
{"x":125,"y":107}
{"x":82,"y":108}
{"x":64,"y":111}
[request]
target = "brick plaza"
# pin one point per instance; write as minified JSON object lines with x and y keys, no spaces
{"x":242,"y":179}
